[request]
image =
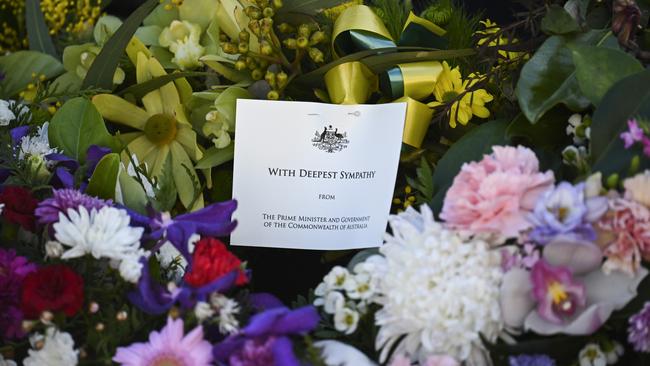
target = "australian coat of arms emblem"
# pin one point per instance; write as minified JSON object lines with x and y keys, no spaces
{"x":330,"y":139}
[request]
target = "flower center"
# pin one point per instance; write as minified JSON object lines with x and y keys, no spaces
{"x":562,"y":213}
{"x":161,"y":129}
{"x":556,"y":290}
{"x":449,"y":96}
{"x":166,"y":361}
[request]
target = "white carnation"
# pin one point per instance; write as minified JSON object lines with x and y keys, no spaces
{"x":130,"y":268}
{"x":58,"y":350}
{"x":227,"y":310}
{"x":438,"y":291}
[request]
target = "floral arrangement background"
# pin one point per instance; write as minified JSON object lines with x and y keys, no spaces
{"x":521,"y":226}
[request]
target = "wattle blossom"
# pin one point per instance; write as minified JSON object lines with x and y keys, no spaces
{"x":439,"y":293}
{"x":628,"y":222}
{"x":564,"y":210}
{"x":13,"y":270}
{"x":266,"y":339}
{"x":48,"y":210}
{"x":531,"y":360}
{"x":638,"y":332}
{"x":493,"y":196}
{"x":633,"y":134}
{"x":557,"y":293}
{"x":169,"y":346}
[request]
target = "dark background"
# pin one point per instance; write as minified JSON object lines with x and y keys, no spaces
{"x":289,"y":273}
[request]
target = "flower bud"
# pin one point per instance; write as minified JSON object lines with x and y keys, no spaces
{"x":240,"y":65}
{"x":290,"y":43}
{"x":273,"y":95}
{"x":265,"y":48}
{"x":253,"y":12}
{"x":53,"y":249}
{"x":99,"y":327}
{"x":304,"y":30}
{"x":93,"y":307}
{"x":121,"y":316}
{"x":286,"y":28}
{"x":244,"y":36}
{"x":257,"y":74}
{"x":46,"y":317}
{"x":268,"y":12}
{"x":612,"y":181}
{"x":281,"y":79}
{"x":277,"y":4}
{"x":316,"y":55}
{"x":270,"y":78}
{"x":302,"y":42}
{"x":635,"y":163}
{"x":317,"y":37}
{"x":229,"y":48}
{"x":243,"y":48}
{"x":254,"y":26}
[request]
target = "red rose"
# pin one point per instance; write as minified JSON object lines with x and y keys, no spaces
{"x":212,"y":260}
{"x":53,"y":288}
{"x":19,"y":206}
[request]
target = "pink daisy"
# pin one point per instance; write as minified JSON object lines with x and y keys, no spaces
{"x":169,"y":347}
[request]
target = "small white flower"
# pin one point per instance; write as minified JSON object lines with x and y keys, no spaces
{"x":361,"y":288}
{"x":203,"y":311}
{"x":183,"y":40}
{"x":346,"y":320}
{"x":105,"y":233}
{"x":334,"y":301}
{"x":53,"y":249}
{"x":335,"y":353}
{"x":58,"y":350}
{"x":130,"y":268}
{"x":37,"y":145}
{"x":614,"y":352}
{"x":228,"y":310}
{"x":6,"y":115}
{"x":337,"y":278}
{"x":320,"y":290}
{"x":4,"y":362}
{"x":592,"y":355}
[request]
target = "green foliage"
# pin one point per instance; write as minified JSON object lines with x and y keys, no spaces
{"x":629,"y":98}
{"x":470,"y":147}
{"x":19,"y":67}
{"x":76,"y":126}
{"x":393,"y":14}
{"x":559,"y":21}
{"x":549,"y":77}
{"x":101,"y":72}
{"x":460,"y":25}
{"x":104,"y":179}
{"x":309,"y":7}
{"x":423,"y":183}
{"x":214,"y":157}
{"x":598,"y":68}
{"x":166,"y":188}
{"x":37,"y":31}
{"x":547,"y":132}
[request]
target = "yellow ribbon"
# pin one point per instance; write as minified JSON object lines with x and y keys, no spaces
{"x":358,"y":28}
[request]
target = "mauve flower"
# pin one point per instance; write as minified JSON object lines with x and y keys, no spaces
{"x":638,"y":333}
{"x":531,"y":360}
{"x":629,"y":224}
{"x":62,"y":200}
{"x":266,"y":339}
{"x":633,"y":134}
{"x":494,"y":195}
{"x":637,"y":188}
{"x":603,"y":294}
{"x":564,"y":210}
{"x":169,"y":346}
{"x":625,"y":21}
{"x":13,"y":270}
{"x":557,"y":293}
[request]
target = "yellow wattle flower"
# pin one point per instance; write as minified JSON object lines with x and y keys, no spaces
{"x":163,"y":129}
{"x":449,"y":86}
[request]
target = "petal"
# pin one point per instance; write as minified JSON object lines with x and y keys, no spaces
{"x":141,"y":147}
{"x":515,"y":297}
{"x":153,"y":100}
{"x":157,"y":161}
{"x":119,"y":110}
{"x":187,"y":138}
{"x":283,"y":352}
{"x":168,"y":92}
{"x":578,"y":255}
{"x":298,"y":321}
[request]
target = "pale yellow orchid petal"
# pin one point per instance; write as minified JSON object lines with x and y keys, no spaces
{"x":127,"y":138}
{"x":156,"y":159}
{"x":181,"y":117}
{"x":141,"y":147}
{"x":182,"y":165}
{"x":168,"y":93}
{"x":119,"y":110}
{"x":187,"y":138}
{"x":152,"y":101}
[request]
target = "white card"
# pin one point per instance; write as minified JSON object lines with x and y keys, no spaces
{"x":314,"y":176}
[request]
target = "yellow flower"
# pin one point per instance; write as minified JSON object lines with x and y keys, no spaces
{"x":490,"y":28}
{"x":163,"y":129}
{"x":450,"y":86}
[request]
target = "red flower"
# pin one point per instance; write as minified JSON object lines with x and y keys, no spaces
{"x":212,"y":260}
{"x":19,"y":206}
{"x":53,"y":288}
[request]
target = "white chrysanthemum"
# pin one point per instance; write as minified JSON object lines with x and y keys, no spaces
{"x":438,"y":292}
{"x":6,"y":114}
{"x":37,"y":145}
{"x":227,"y":310}
{"x":103,"y":234}
{"x":130,"y":267}
{"x":58,"y":350}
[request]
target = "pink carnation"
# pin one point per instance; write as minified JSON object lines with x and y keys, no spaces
{"x":494,"y":195}
{"x":629,"y":223}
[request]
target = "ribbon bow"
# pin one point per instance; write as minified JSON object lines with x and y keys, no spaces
{"x":358,"y":28}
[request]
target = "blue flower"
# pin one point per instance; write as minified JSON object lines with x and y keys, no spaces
{"x":564,"y":210}
{"x":531,"y":360}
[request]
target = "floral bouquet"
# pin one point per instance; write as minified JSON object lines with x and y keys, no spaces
{"x":526,"y":150}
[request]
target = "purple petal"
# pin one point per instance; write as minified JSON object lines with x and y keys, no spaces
{"x":64,"y":161}
{"x":298,"y":321}
{"x":149,"y":296}
{"x":515,"y":297}
{"x":578,"y":255}
{"x":62,"y":178}
{"x":263,"y":323}
{"x":221,"y":284}
{"x":18,"y":133}
{"x":222,"y":351}
{"x":262,"y":301}
{"x":94,"y":154}
{"x":283,"y":352}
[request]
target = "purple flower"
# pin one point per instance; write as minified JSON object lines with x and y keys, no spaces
{"x":13,"y":270}
{"x":265,"y":340}
{"x":638,"y":333}
{"x":557,"y":293}
{"x":646,"y":146}
{"x":63,"y":199}
{"x":531,"y":360}
{"x":633,"y":134}
{"x":564,"y":210}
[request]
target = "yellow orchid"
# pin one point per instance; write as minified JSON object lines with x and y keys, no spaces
{"x":449,"y":86}
{"x":163,"y":129}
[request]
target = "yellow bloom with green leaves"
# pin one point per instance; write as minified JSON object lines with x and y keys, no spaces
{"x":163,"y":130}
{"x":488,"y":36}
{"x":450,"y":88}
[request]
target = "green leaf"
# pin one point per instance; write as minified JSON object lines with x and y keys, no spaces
{"x":149,"y":34}
{"x":140,"y":90}
{"x":310,"y":7}
{"x":100,"y":74}
{"x":548,"y":78}
{"x":558,"y":21}
{"x":133,"y":194}
{"x":166,"y":188}
{"x":104,"y":179}
{"x":76,"y":126}
{"x":598,"y":68}
{"x":18,"y":68}
{"x":215,"y":157}
{"x":629,"y":98}
{"x":547,"y":132}
{"x":37,"y":31}
{"x":471,"y":147}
